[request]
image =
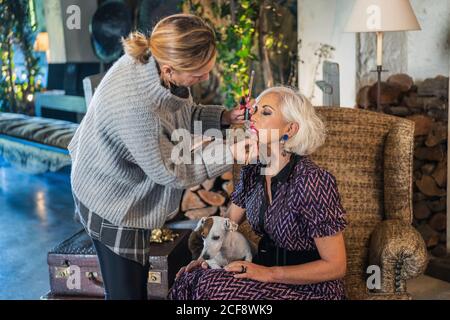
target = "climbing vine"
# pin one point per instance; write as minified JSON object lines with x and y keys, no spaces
{"x":17,"y":33}
{"x":250,"y":35}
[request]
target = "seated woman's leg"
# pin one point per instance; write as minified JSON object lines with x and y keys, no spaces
{"x":218,"y":284}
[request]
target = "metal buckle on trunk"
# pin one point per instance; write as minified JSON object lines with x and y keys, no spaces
{"x":154,"y":277}
{"x":62,"y":272}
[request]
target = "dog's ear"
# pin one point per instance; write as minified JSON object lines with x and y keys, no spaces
{"x":230,"y":225}
{"x":200,"y":224}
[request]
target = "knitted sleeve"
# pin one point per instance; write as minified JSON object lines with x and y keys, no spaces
{"x":163,"y":160}
{"x":209,"y":116}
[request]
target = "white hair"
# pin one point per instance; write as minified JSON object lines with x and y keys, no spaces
{"x":295,"y":107}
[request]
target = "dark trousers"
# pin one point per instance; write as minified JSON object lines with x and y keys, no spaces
{"x":123,"y":279}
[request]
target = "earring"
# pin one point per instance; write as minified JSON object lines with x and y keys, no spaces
{"x":284,"y":139}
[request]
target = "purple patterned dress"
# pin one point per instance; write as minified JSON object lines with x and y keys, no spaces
{"x":306,"y":205}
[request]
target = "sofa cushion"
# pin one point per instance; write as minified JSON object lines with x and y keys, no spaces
{"x":51,"y":132}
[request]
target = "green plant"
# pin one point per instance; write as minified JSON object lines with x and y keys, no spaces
{"x":17,"y":33}
{"x":235,"y":63}
{"x":250,"y":35}
{"x":235,"y":40}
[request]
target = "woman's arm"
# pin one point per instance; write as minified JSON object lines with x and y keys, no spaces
{"x":149,"y":143}
{"x":331,"y":266}
{"x":215,"y":117}
{"x":324,"y":222}
{"x":235,"y":214}
{"x":209,"y":116}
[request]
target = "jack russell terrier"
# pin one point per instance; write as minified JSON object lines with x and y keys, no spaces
{"x":222,"y":243}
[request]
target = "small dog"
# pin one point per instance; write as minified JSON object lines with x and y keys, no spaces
{"x":222,"y":243}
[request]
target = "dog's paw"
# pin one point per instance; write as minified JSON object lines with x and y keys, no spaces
{"x":213,"y":264}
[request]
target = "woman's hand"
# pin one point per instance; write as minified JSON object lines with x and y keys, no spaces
{"x":235,"y":116}
{"x":253,"y":271}
{"x":194,"y":264}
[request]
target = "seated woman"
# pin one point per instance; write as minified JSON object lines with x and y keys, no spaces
{"x":296,"y":209}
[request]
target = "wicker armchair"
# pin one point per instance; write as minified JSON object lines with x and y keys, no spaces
{"x":371,"y":155}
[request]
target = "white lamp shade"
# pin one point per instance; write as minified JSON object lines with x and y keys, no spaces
{"x":382,"y":16}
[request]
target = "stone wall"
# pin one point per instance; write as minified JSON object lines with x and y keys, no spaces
{"x":425,"y":103}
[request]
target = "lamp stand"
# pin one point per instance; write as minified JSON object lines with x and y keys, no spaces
{"x":379,"y":71}
{"x":379,"y":68}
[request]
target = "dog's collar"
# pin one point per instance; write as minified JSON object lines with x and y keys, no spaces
{"x":233,"y":226}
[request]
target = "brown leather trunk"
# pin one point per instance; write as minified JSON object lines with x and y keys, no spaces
{"x":75,"y":272}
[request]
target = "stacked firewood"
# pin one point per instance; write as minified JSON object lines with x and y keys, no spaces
{"x":426,"y":104}
{"x":208,"y":199}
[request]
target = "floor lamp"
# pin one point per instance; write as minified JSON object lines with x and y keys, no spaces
{"x":381,"y":16}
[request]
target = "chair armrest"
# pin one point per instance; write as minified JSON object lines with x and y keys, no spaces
{"x":364,"y":294}
{"x":387,"y":296}
{"x":400,"y":252}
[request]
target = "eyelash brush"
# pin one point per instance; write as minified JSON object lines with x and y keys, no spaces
{"x":245,"y":104}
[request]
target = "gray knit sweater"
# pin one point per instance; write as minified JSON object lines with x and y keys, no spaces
{"x":121,"y":152}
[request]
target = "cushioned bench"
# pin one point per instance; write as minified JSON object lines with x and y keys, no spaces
{"x":35,"y":144}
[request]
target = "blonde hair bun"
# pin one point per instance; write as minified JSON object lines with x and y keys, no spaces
{"x":183,"y":41}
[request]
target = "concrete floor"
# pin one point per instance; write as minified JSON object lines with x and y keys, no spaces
{"x":428,"y":288}
{"x":37,"y":213}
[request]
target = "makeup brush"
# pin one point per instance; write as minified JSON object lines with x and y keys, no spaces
{"x":245,"y":102}
{"x":247,"y":115}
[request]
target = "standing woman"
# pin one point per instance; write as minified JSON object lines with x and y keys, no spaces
{"x":124,"y":181}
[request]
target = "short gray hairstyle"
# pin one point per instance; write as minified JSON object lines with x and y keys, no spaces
{"x":295,"y":107}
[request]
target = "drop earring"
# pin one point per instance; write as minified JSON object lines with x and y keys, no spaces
{"x":284,"y":139}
